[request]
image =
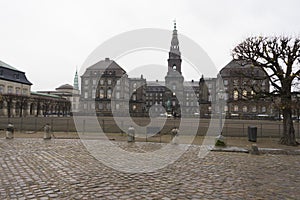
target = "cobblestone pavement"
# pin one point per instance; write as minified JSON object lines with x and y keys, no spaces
{"x":64,"y":169}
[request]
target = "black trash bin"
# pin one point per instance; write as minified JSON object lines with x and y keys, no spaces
{"x":252,"y":133}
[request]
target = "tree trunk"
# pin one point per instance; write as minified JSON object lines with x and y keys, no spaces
{"x":288,"y":137}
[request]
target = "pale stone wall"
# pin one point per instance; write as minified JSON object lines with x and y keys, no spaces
{"x":24,"y":89}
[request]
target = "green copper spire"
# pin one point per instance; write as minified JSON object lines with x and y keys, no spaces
{"x":76,"y":87}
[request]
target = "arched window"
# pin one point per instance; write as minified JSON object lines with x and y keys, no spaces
{"x":108,"y":93}
{"x":235,"y":95}
{"x":174,"y":67}
{"x":244,"y":94}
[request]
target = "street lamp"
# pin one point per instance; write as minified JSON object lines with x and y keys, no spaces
{"x":220,"y":140}
{"x":220,"y":98}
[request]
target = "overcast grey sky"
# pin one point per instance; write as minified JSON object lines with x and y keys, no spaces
{"x":48,"y":39}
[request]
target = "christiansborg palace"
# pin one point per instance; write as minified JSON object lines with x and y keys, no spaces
{"x":107,"y":90}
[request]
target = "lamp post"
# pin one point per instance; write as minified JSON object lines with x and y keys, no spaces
{"x":220,"y":98}
{"x":220,"y":140}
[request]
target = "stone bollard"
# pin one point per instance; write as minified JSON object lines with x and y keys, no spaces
{"x":47,"y":133}
{"x":131,"y":134}
{"x":10,"y":131}
{"x":175,"y":132}
{"x":254,"y":150}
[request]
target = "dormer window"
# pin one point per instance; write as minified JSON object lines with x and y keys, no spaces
{"x":17,"y":76}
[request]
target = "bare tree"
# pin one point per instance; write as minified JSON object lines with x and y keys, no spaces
{"x":279,"y":57}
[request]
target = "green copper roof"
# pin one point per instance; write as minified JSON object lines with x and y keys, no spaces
{"x":45,"y":95}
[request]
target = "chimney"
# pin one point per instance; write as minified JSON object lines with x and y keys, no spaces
{"x":106,"y":59}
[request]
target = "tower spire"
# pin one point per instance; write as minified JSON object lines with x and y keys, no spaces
{"x":174,"y":42}
{"x":75,"y":84}
{"x":174,"y":61}
{"x":174,"y":24}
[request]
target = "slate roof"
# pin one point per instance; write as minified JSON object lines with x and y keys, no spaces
{"x":105,"y":64}
{"x":10,"y":73}
{"x":236,"y":66}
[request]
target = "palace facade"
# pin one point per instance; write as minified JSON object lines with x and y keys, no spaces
{"x":107,"y":89}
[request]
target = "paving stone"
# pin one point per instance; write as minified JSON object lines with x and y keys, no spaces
{"x":64,"y":169}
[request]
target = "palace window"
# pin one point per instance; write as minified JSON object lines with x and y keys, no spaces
{"x":173,"y":87}
{"x":101,"y":93}
{"x":109,"y":93}
{"x":108,"y":106}
{"x":9,"y":89}
{"x":25,"y":91}
{"x":134,"y":97}
{"x":117,"y":106}
{"x":254,"y":109}
{"x":263,"y":109}
{"x":235,"y":95}
{"x":226,"y":108}
{"x":236,"y":108}
{"x":225,"y":82}
{"x":1,"y":89}
{"x":235,"y":82}
{"x":93,"y":93}
{"x":117,"y":95}
{"x":245,"y":109}
{"x":85,"y":106}
{"x":18,"y":90}
{"x":226,"y":97}
{"x":109,"y":81}
{"x":244,"y":94}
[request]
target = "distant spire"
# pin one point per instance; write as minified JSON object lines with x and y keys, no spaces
{"x":75,"y":85}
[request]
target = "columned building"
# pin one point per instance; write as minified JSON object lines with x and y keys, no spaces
{"x":17,"y":99}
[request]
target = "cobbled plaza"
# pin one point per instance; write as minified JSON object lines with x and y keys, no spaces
{"x":63,"y":169}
